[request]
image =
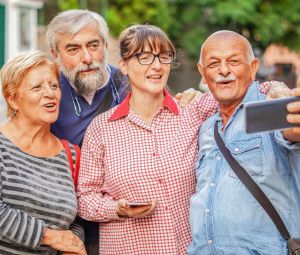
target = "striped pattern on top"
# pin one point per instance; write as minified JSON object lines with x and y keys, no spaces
{"x":35,"y":192}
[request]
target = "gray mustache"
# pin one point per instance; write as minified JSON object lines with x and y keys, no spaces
{"x":88,"y":67}
{"x":221,"y":79}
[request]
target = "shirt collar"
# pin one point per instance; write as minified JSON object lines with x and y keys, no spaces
{"x":251,"y":95}
{"x":123,"y":108}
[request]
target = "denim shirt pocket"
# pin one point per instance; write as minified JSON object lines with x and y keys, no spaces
{"x":248,"y":153}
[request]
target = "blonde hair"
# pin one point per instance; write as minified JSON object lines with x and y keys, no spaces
{"x":137,"y":37}
{"x":71,"y":22}
{"x":16,"y":68}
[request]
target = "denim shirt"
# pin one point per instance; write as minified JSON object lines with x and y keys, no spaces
{"x":224,"y":217}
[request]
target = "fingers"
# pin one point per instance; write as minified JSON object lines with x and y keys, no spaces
{"x":295,"y":92}
{"x":292,"y":134}
{"x":150,"y":210}
{"x":294,"y":107}
{"x":197,"y":94}
{"x":178,"y":96}
{"x":64,"y":240}
{"x":121,"y":208}
{"x":187,"y":97}
{"x":124,"y":210}
{"x":278,"y":90}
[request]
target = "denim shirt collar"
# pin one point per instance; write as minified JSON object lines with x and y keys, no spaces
{"x":252,"y":94}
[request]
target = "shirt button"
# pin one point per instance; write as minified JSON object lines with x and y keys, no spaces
{"x":212,"y":184}
{"x":209,"y":241}
{"x":236,"y":149}
{"x":206,"y":210}
{"x":218,"y":157}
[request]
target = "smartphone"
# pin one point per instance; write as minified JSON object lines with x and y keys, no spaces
{"x":137,"y":204}
{"x":267,"y":115}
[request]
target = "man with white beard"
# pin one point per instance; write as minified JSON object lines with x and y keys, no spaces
{"x":78,"y":41}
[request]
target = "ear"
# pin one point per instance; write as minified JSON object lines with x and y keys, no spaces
{"x":254,"y":68}
{"x":54,"y":54}
{"x":123,"y":66}
{"x":201,"y":71}
{"x":11,"y":100}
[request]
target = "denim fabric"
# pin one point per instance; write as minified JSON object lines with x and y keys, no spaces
{"x":224,"y":217}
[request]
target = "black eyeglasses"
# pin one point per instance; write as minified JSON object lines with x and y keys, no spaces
{"x":147,"y":58}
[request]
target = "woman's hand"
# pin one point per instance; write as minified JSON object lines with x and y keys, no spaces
{"x":64,"y":240}
{"x":124,"y":210}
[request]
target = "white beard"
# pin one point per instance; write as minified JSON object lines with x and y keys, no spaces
{"x":86,"y":84}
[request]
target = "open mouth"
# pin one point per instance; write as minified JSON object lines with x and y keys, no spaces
{"x":50,"y":106}
{"x":154,"y":77}
{"x":225,"y":82}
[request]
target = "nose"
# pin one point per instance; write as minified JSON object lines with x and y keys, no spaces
{"x":224,"y":69}
{"x":49,"y":92}
{"x":156,"y":63}
{"x":86,"y":57}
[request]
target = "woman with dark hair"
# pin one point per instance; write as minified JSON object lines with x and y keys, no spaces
{"x":137,"y":165}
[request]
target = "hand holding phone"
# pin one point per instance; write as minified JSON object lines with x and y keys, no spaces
{"x":135,"y":209}
{"x":268,"y":115}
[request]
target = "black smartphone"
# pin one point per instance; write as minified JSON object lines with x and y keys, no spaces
{"x":137,"y":204}
{"x":267,"y":115}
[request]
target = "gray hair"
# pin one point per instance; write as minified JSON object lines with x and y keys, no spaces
{"x":71,"y":22}
{"x":250,"y":53}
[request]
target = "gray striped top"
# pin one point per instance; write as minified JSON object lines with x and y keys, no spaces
{"x":35,"y":192}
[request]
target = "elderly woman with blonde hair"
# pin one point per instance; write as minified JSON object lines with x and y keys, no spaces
{"x":38,"y":201}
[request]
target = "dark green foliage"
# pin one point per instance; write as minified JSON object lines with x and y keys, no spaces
{"x":189,"y":22}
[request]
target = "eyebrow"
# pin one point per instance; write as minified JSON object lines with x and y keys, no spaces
{"x":76,"y":44}
{"x":71,"y":45}
{"x":93,"y":41}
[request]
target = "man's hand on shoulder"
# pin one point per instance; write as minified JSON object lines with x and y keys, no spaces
{"x":277,"y":89}
{"x":188,"y":96}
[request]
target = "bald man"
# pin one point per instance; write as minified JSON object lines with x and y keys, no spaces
{"x":225,"y":218}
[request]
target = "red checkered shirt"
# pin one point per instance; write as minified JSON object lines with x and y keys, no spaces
{"x":125,"y":158}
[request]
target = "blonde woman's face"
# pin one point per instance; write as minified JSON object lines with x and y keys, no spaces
{"x":38,"y":96}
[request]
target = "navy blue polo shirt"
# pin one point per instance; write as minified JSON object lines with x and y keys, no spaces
{"x":70,"y":125}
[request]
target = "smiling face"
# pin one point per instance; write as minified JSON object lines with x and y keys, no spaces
{"x":137,"y":44}
{"x":38,"y":96}
{"x":150,"y":79}
{"x":82,"y":58}
{"x":226,"y":68}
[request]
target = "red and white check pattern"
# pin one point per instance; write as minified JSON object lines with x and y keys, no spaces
{"x":124,"y":158}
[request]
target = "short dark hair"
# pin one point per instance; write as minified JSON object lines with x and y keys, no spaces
{"x":136,"y":38}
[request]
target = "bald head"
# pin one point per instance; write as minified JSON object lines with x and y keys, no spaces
{"x":223,"y":36}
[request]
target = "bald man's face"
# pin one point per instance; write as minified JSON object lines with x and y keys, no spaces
{"x":226,"y":70}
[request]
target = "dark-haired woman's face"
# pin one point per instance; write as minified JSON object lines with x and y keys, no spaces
{"x":146,"y":78}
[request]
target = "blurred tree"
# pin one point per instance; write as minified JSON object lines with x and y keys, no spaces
{"x":261,"y":21}
{"x":189,"y":22}
{"x":122,"y":13}
{"x":64,"y":5}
